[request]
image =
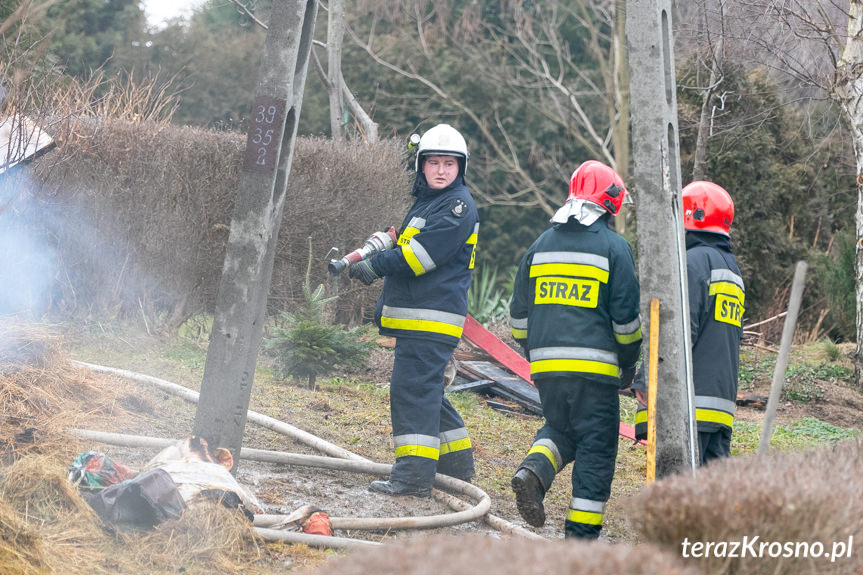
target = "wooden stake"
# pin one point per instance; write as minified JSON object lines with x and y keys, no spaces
{"x":797,"y":285}
{"x":652,"y":370}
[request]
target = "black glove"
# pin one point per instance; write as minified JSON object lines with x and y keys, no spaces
{"x":627,"y":374}
{"x":640,"y":380}
{"x":364,"y":272}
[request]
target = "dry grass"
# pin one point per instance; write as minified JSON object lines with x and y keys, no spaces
{"x":471,"y":554}
{"x":60,"y":533}
{"x":28,"y":345}
{"x":36,"y":486}
{"x":811,"y":496}
{"x":22,"y":550}
{"x":207,"y":538}
{"x":42,"y":393}
{"x":46,"y":527}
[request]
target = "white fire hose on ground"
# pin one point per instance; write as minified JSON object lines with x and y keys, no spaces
{"x":340,"y":459}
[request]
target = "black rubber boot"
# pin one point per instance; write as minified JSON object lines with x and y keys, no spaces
{"x":465,"y":478}
{"x":529,"y":494}
{"x":396,"y":488}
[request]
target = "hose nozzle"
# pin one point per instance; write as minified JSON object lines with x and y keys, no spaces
{"x":377,"y":242}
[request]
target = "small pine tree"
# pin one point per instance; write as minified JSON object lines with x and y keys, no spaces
{"x":308,"y":345}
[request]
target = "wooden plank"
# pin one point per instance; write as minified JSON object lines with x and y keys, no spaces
{"x":478,"y":385}
{"x":521,"y":392}
{"x":534,"y":408}
{"x":652,"y":370}
{"x":515,"y":385}
{"x":501,"y":352}
{"x":504,"y":408}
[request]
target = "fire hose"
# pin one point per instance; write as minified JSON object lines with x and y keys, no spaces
{"x":369,"y":467}
{"x":465,"y":512}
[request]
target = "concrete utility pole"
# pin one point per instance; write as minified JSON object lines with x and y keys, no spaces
{"x":241,"y":306}
{"x":661,"y":244}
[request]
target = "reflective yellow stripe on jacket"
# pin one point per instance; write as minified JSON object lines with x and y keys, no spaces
{"x":707,"y":410}
{"x":422,"y":320}
{"x":471,"y":240}
{"x":627,"y":332}
{"x":573,"y":359}
{"x":416,"y":255}
{"x":572,"y":264}
{"x":715,"y":410}
{"x":518,"y":327}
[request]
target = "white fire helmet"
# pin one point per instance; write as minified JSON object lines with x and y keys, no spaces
{"x":442,"y":140}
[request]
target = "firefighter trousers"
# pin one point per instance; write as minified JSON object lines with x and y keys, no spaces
{"x":428,"y":433}
{"x":713,"y":445}
{"x":581,"y":425}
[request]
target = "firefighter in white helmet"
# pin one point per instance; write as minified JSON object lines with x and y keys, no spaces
{"x":423,"y":305}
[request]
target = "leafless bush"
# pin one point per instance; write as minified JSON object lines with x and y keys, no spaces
{"x":139,"y":214}
{"x":791,"y":499}
{"x":510,"y":556}
{"x":340,"y":193}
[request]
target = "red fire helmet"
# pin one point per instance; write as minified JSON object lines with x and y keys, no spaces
{"x":707,"y":207}
{"x":597,"y":183}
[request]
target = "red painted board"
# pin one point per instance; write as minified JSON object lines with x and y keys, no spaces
{"x":505,"y":355}
{"x":510,"y":359}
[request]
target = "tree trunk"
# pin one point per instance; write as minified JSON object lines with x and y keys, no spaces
{"x":335,"y":36}
{"x":706,"y":111}
{"x":848,"y":92}
{"x":620,"y":124}
{"x":369,"y":126}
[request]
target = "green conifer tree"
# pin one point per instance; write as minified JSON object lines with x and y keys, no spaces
{"x":309,"y":345}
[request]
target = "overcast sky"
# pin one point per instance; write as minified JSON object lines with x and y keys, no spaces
{"x":158,"y":11}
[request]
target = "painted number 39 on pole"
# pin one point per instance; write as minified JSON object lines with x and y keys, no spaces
{"x":265,"y":131}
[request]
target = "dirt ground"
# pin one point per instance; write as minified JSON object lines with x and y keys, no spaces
{"x":833,"y":400}
{"x":355,"y":416}
{"x":283,"y":488}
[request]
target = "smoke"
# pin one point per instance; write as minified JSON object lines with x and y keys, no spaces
{"x":27,"y":260}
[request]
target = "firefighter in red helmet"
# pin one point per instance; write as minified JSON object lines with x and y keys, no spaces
{"x":716,"y":305}
{"x":575,"y":311}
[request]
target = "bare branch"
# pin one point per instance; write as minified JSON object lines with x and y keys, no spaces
{"x":246,"y":11}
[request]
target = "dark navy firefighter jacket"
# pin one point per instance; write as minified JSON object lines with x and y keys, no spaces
{"x":575,"y":306}
{"x":429,"y":272}
{"x":716,"y":306}
{"x":717,"y":301}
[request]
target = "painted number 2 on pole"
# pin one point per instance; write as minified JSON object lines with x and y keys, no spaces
{"x":265,"y":131}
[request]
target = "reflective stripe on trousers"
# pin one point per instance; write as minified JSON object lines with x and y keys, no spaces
{"x":585,"y":511}
{"x":581,"y":422}
{"x":428,"y":433}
